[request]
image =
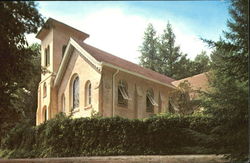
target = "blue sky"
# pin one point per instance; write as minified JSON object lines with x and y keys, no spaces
{"x":117,"y":27}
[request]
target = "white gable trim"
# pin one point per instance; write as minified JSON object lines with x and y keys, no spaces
{"x":85,"y":53}
{"x":72,"y":44}
{"x":136,"y":74}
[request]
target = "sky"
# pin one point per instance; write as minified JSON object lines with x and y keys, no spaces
{"x":118,"y":27}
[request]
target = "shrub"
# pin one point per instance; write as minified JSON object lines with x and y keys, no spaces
{"x":64,"y":137}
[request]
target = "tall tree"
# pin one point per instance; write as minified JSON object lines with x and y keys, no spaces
{"x":228,"y":99}
{"x":183,"y":68}
{"x":149,"y":58}
{"x":201,"y":63}
{"x":169,"y":53}
{"x":17,"y":18}
{"x":163,"y":56}
{"x":27,"y":97}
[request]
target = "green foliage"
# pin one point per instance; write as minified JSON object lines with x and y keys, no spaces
{"x":66,"y":137}
{"x":201,"y":63}
{"x":228,"y":99}
{"x":149,"y":57}
{"x":17,"y":18}
{"x":19,"y":140}
{"x":26,"y":98}
{"x":162,"y":55}
{"x":169,"y":53}
{"x":184,"y":100}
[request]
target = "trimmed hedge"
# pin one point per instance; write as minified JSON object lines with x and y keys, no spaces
{"x":66,"y":137}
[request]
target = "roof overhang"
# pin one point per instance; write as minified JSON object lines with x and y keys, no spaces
{"x":137,"y":74}
{"x":52,"y":23}
{"x":72,"y":44}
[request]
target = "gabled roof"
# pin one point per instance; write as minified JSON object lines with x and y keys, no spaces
{"x":197,"y":82}
{"x":103,"y":56}
{"x":52,"y":23}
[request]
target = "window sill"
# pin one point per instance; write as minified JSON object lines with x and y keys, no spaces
{"x":75,"y":110}
{"x":88,"y":107}
{"x":122,"y":105}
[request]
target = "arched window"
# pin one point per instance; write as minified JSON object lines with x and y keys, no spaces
{"x":88,"y":93}
{"x":160,"y":104}
{"x":44,"y":90}
{"x":150,"y":102}
{"x":75,"y":93}
{"x":63,"y":103}
{"x":123,"y":93}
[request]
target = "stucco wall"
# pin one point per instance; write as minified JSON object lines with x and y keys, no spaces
{"x":48,"y":41}
{"x":137,"y":88}
{"x":56,"y":38}
{"x":78,"y":65}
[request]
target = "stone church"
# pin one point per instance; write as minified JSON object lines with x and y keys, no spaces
{"x":79,"y":79}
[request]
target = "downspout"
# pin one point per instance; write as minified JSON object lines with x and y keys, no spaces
{"x":113,"y":93}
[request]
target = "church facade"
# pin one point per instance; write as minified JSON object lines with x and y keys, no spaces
{"x":79,"y":79}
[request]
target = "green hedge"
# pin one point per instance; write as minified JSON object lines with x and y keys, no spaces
{"x":64,"y":137}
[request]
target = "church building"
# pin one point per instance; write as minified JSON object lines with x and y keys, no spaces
{"x":79,"y":79}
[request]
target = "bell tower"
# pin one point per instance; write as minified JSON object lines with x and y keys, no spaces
{"x":54,"y":37}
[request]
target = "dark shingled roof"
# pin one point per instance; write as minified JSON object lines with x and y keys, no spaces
{"x":103,"y":56}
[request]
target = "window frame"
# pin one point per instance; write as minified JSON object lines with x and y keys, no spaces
{"x":47,"y":56}
{"x":73,"y":107}
{"x":88,"y":93}
{"x":150,"y":102}
{"x":122,"y":89}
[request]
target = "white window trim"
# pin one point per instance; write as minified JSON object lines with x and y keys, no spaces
{"x":124,"y":93}
{"x":72,"y":94}
{"x":87,"y":92}
{"x":151,"y":99}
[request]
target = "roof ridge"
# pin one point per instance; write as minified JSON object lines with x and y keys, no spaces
{"x":129,"y":62}
{"x":192,"y":76}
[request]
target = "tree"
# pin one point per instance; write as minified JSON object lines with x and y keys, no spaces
{"x":228,"y":99}
{"x":17,"y":18}
{"x":27,"y":97}
{"x":185,"y":99}
{"x":149,"y":57}
{"x":169,"y":54}
{"x":201,"y":63}
{"x":163,"y":56}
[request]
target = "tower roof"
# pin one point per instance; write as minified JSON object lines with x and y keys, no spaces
{"x":52,"y":23}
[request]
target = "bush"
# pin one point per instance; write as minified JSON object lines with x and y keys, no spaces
{"x":66,"y":137}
